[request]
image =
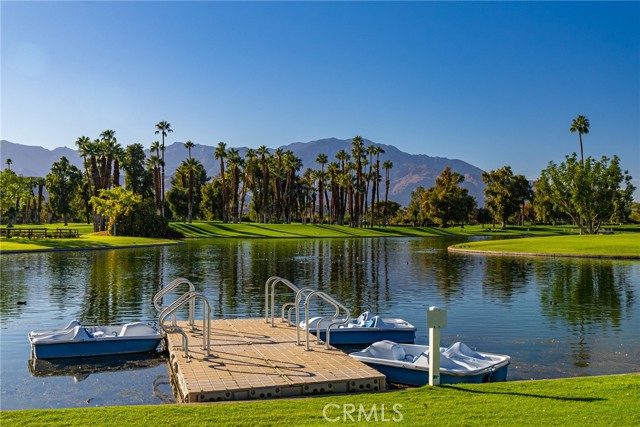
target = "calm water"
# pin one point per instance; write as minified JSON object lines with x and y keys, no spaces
{"x":555,"y":318}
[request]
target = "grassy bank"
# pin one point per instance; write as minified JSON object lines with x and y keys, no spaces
{"x":604,"y":246}
{"x":77,"y":243}
{"x":593,"y":401}
{"x":219,"y":229}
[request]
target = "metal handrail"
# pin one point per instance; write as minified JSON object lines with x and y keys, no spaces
{"x":297,"y":307}
{"x":333,"y":302}
{"x":273,"y":281}
{"x":175,"y":283}
{"x":189,"y":297}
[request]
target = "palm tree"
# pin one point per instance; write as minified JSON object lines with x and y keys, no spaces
{"x":164,"y":128}
{"x":357,"y":152}
{"x":118,"y":158}
{"x":292,"y":164}
{"x":235,"y":163}
{"x":190,"y":165}
{"x":321,"y":160}
{"x":189,"y":145}
{"x":83,"y":143}
{"x":221,"y":154}
{"x":9,"y":162}
{"x":387,"y":167}
{"x":108,"y":144}
{"x":379,"y":150}
{"x":154,"y":162}
{"x":581,"y":125}
{"x":264,"y":154}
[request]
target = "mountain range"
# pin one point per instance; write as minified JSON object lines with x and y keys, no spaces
{"x":409,"y":170}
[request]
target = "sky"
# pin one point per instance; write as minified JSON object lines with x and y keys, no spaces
{"x":490,"y":83}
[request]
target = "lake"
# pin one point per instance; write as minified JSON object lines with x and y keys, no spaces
{"x":555,"y":317}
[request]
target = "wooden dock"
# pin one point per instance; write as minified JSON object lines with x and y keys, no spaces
{"x":252,"y":360}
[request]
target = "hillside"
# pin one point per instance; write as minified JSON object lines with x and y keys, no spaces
{"x":409,"y":170}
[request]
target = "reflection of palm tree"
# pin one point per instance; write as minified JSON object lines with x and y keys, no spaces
{"x":581,"y":125}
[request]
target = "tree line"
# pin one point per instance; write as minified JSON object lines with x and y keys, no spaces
{"x":270,"y":186}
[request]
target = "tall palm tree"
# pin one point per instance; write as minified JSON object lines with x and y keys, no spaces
{"x":235,"y":163}
{"x":9,"y":162}
{"x":154,"y":163}
{"x":118,"y":159}
{"x":190,"y":165}
{"x":379,"y":150}
{"x":357,"y":153}
{"x":189,"y":145}
{"x":264,"y":154}
{"x":387,"y":167}
{"x":108,"y":144}
{"x":291,"y":164}
{"x":164,"y":128}
{"x":221,"y":154}
{"x":581,"y":125}
{"x":83,"y":143}
{"x":322,"y":160}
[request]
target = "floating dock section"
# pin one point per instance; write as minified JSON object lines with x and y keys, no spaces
{"x":250,"y":359}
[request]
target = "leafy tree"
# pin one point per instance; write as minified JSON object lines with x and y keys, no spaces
{"x":142,"y":221}
{"x":581,"y":125}
{"x":446,"y":201}
{"x":211,"y":205}
{"x":136,"y":177}
{"x":590,"y":192}
{"x":177,"y":199}
{"x":12,"y":186}
{"x":504,"y":193}
{"x":62,"y":182}
{"x":115,"y":203}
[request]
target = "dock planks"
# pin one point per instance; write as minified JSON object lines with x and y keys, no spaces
{"x":252,"y":360}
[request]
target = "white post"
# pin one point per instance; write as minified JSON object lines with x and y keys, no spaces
{"x":436,"y":319}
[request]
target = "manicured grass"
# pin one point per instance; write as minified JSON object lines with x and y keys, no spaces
{"x":82,"y":242}
{"x":82,"y":227}
{"x":611,"y":245}
{"x":592,"y":401}
{"x":219,"y":229}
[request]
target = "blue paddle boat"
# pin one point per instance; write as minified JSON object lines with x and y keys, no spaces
{"x":409,"y":364}
{"x":77,"y":340}
{"x":366,"y":329}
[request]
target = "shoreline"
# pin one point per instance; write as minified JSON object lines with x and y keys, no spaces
{"x":540,"y":254}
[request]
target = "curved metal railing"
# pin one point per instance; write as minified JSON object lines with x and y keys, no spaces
{"x":189,"y":297}
{"x":171,"y":286}
{"x":335,"y":319}
{"x":270,"y":310}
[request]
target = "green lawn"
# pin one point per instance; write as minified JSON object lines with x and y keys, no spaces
{"x":219,"y":229}
{"x":608,"y":245}
{"x":82,"y":242}
{"x":589,"y":401}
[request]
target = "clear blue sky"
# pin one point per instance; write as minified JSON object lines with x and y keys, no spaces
{"x":488,"y":83}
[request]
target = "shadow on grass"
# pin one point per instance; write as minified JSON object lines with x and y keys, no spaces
{"x":262,"y":227}
{"x":538,"y":396}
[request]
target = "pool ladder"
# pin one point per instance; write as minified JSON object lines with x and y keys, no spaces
{"x":188,"y":297}
{"x":287,"y":308}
